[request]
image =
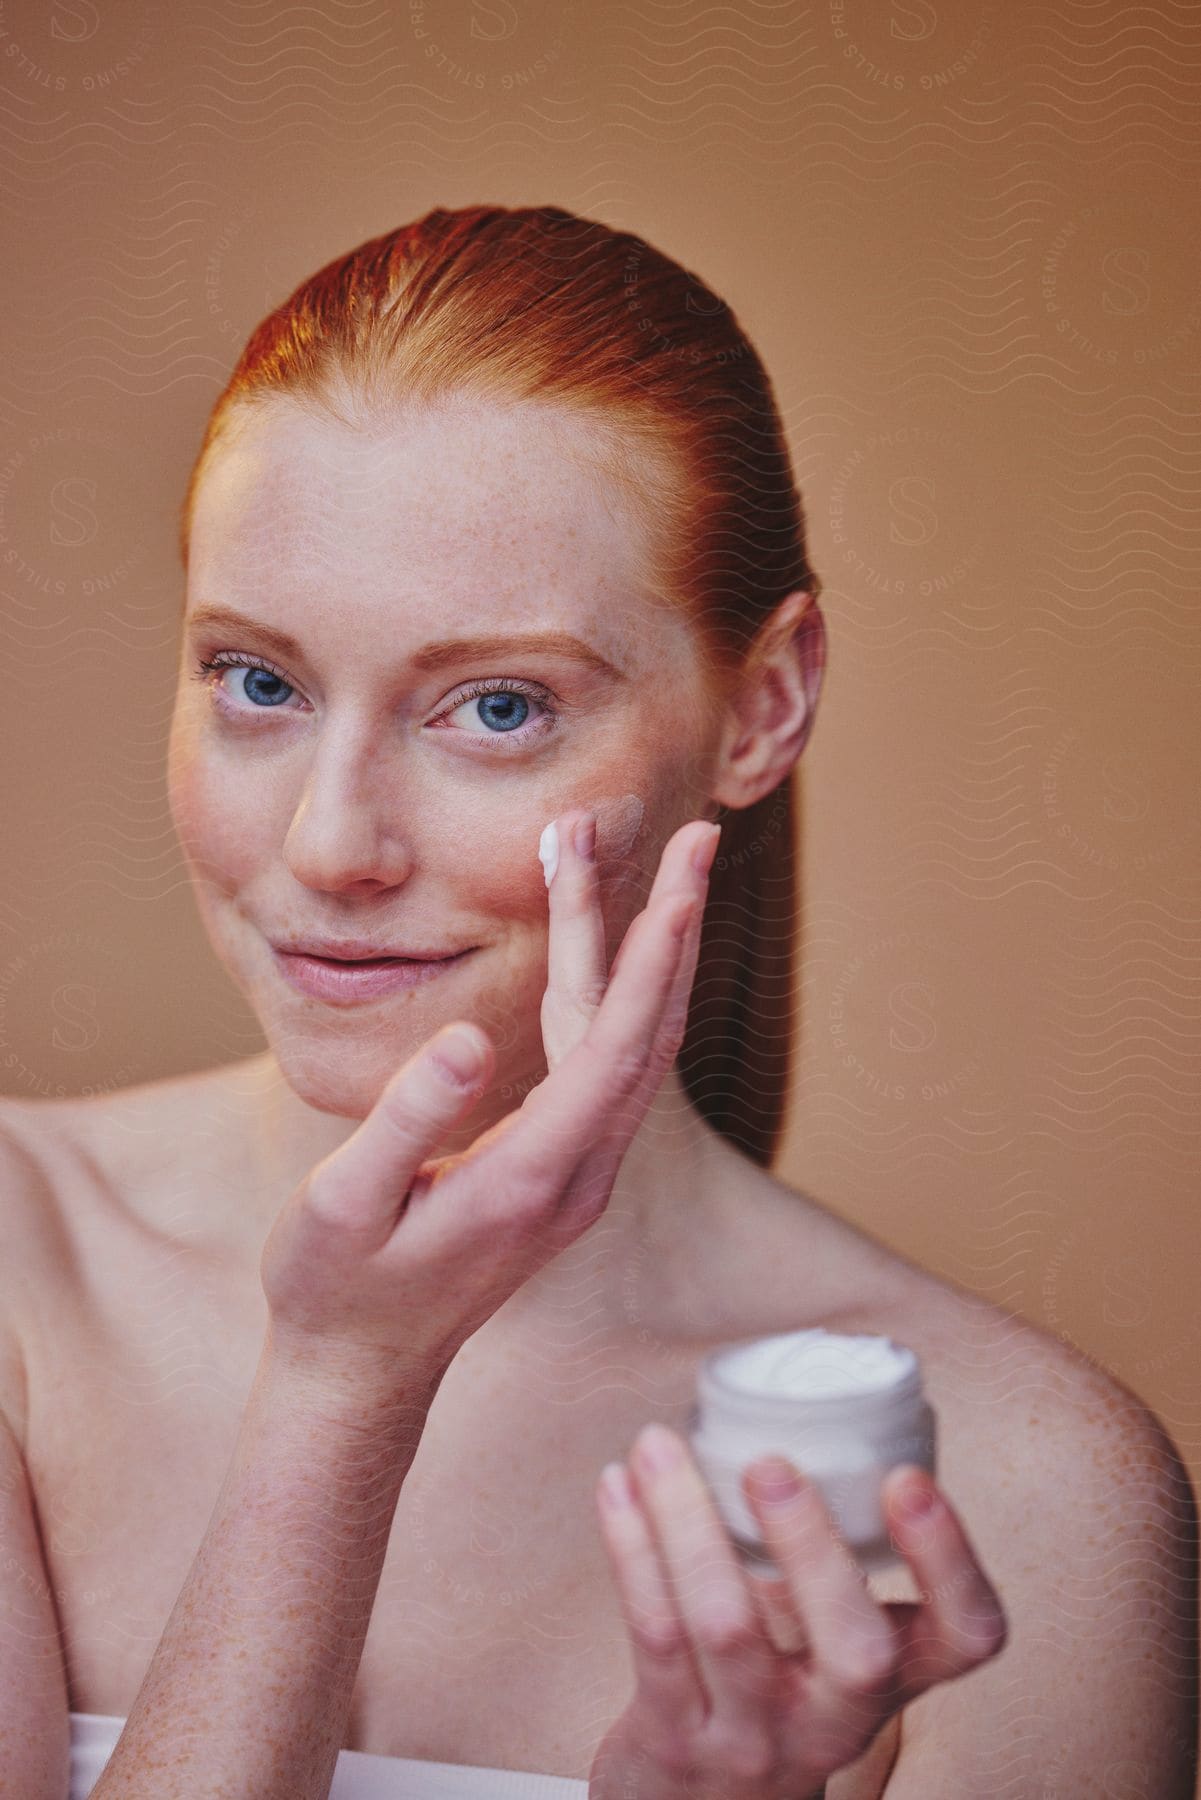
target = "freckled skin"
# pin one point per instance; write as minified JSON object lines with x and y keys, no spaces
{"x":619,"y":823}
{"x":343,"y":810}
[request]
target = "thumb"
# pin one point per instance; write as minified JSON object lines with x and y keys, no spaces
{"x":361,"y":1186}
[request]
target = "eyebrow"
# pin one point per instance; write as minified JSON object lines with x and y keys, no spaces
{"x":440,"y":654}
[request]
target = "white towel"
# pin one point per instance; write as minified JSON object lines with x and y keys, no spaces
{"x":356,"y":1777}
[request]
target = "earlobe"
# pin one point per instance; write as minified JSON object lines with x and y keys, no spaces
{"x":772,"y":714}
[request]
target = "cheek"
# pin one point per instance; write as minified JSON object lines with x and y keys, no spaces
{"x":619,"y":825}
{"x":488,"y":852}
{"x":490,"y":857}
{"x":218,"y":823}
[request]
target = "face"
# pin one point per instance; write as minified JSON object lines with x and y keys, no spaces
{"x":386,"y":778}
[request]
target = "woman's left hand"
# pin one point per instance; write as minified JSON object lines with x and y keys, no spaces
{"x":719,"y":1712}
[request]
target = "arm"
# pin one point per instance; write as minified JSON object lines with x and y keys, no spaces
{"x":34,"y":1743}
{"x":1096,"y":1559}
{"x":250,"y":1688}
{"x":382,"y":1263}
{"x":34,"y":1726}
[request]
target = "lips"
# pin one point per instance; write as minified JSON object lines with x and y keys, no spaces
{"x":356,"y":950}
{"x":367,"y":962}
{"x":346,"y":981}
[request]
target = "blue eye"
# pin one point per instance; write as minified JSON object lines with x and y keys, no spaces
{"x":505,"y":711}
{"x":262,"y":685}
{"x":501,"y":706}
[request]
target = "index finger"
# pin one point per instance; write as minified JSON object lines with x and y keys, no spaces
{"x":564,"y":1116}
{"x":576,"y":964}
{"x":737,"y":1662}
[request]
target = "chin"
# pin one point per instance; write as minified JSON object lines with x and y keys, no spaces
{"x":346,"y":1081}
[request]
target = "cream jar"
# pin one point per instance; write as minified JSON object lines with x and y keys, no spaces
{"x":845,"y":1410}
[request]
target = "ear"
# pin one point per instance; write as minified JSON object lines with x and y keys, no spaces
{"x":772,"y":710}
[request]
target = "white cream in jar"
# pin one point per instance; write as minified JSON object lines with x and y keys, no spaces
{"x":845,"y":1410}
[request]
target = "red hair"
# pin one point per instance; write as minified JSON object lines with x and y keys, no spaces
{"x":536,"y":303}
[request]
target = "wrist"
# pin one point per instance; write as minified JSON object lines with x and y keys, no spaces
{"x":350,"y":1388}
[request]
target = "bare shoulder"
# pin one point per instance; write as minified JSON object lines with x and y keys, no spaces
{"x":1078,"y":1506}
{"x":1026,"y":1421}
{"x":118,"y":1150}
{"x":31,"y":1250}
{"x":998,"y":1375}
{"x":44,"y":1144}
{"x":1064,"y":1473}
{"x":33,"y":1683}
{"x":1029,"y":1409}
{"x":78,"y":1175}
{"x":122,"y":1127}
{"x":29,"y":1213}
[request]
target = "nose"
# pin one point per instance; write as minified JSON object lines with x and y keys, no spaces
{"x":347,"y":832}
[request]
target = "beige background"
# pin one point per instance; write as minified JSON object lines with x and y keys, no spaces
{"x":964,"y":238}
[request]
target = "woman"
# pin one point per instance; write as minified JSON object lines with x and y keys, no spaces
{"x":497,"y":595}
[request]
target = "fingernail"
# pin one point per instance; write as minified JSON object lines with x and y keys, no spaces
{"x":584,"y":837}
{"x":706,"y":850}
{"x":919,"y":1498}
{"x":456,"y":1054}
{"x":615,"y":1487}
{"x":774,"y":1481}
{"x":548,"y":851}
{"x":658,"y":1448}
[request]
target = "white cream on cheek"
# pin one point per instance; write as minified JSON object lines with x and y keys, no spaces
{"x":548,"y":851}
{"x":618,"y":822}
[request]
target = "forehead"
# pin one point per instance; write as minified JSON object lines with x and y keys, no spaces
{"x":470,"y":511}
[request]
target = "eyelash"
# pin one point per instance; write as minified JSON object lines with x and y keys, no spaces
{"x":207,"y":667}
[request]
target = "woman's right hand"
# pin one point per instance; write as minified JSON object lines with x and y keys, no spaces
{"x":383,"y":1262}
